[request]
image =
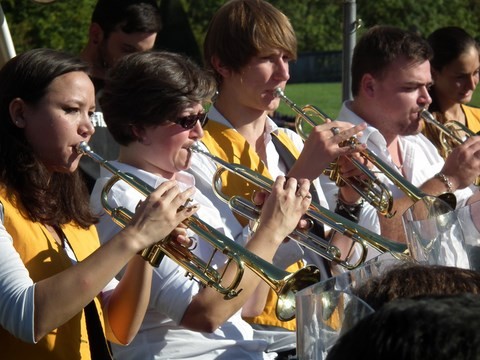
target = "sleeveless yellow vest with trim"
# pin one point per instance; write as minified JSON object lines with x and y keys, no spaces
{"x":43,"y":257}
{"x":231,"y":146}
{"x":473,"y":117}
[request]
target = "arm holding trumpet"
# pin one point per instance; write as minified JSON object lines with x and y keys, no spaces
{"x":280,"y":214}
{"x":325,"y":140}
{"x":156,"y":130}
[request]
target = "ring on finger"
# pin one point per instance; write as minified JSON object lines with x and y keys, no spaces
{"x":335,"y":130}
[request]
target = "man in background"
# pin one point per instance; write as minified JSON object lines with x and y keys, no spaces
{"x":117,"y":28}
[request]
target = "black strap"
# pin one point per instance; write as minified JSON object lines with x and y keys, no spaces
{"x":289,"y":160}
{"x":99,"y":348}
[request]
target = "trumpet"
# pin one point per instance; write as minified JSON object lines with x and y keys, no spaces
{"x":284,"y":283}
{"x":372,"y":190}
{"x":315,"y":212}
{"x":448,"y":134}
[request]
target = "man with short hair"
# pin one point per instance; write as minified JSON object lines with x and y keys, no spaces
{"x":390,"y":81}
{"x":117,"y":28}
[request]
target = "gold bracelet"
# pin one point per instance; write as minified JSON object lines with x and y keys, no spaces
{"x":446,"y":181}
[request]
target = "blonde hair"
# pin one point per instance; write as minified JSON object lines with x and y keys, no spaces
{"x":241,"y":29}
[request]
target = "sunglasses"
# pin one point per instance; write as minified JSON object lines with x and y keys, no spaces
{"x":188,"y":122}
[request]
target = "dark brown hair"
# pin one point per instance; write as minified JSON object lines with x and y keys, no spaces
{"x":149,"y":88}
{"x":382,"y":45}
{"x":52,"y":199}
{"x":410,"y":280}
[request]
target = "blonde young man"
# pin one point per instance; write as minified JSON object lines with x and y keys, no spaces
{"x":248,"y":47}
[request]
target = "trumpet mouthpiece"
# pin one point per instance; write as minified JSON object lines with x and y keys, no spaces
{"x":82,"y":148}
{"x":195,"y":147}
{"x":278,"y":92}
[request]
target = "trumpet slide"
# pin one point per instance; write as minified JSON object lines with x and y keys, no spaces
{"x":316,"y":212}
{"x":285,"y":284}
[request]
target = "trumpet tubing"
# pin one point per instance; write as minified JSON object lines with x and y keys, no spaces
{"x":377,"y":193}
{"x":285,"y":284}
{"x":448,"y":136}
{"x":316,"y":212}
{"x":369,"y":188}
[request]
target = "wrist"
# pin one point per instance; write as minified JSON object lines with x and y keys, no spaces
{"x":446,"y":181}
{"x":348,"y":200}
{"x":350,"y":211}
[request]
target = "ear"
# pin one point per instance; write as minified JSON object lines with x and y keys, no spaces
{"x":140,"y":134}
{"x":95,"y":34}
{"x":219,"y":67}
{"x":368,"y":85}
{"x":17,"y":109}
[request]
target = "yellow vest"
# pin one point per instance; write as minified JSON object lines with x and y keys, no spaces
{"x":43,"y":257}
{"x":231,"y":146}
{"x":472,"y":117}
{"x":472,"y":114}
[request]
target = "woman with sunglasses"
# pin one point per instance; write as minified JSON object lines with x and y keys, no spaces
{"x":153,"y":106}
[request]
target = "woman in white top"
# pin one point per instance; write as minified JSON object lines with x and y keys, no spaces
{"x":51,"y":264}
{"x":153,"y":106}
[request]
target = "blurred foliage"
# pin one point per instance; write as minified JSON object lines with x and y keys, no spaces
{"x":59,"y":25}
{"x":318,"y":23}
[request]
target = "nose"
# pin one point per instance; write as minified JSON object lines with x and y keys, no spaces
{"x":86,"y":127}
{"x":197,"y":131}
{"x":424,"y":98}
{"x":473,"y":81}
{"x":282,"y":70}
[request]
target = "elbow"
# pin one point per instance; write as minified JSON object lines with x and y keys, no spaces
{"x":209,"y":327}
{"x":203,"y":324}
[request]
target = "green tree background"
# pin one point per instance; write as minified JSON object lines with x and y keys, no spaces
{"x":318,"y":23}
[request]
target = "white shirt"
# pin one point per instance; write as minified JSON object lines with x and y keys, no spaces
{"x":17,"y":294}
{"x":420,"y":162}
{"x":203,"y":168}
{"x":160,"y":336}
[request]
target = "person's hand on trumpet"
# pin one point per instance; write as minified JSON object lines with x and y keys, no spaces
{"x":160,"y":214}
{"x":347,"y":170}
{"x":326,"y":143}
{"x":288,"y":197}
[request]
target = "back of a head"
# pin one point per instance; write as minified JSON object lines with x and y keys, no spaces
{"x":240,"y":29}
{"x":448,"y":43}
{"x":380,"y":46}
{"x":429,"y":328}
{"x":131,"y":16}
{"x":411,"y":280}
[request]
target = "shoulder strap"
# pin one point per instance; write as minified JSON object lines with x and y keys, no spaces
{"x":99,"y":347}
{"x":289,"y":160}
